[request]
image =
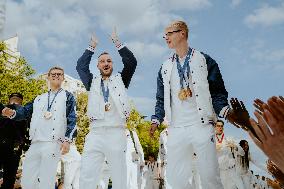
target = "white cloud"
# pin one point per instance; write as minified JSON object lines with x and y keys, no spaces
{"x":189,"y":5}
{"x":236,"y":3}
{"x":147,"y":50}
{"x":266,"y":16}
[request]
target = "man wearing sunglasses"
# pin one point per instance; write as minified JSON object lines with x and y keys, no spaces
{"x":53,"y":122}
{"x":190,"y":92}
{"x":108,"y":109}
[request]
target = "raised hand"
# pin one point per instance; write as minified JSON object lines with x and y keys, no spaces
{"x":7,"y":112}
{"x":259,"y":104}
{"x":275,"y":171}
{"x":94,"y":41}
{"x":239,"y":115}
{"x":114,"y":37}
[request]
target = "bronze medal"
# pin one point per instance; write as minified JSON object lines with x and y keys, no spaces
{"x":47,"y":115}
{"x":188,"y":93}
{"x":107,"y":107}
{"x":182,"y":94}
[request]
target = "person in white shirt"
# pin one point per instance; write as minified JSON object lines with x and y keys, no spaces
{"x":243,"y":164}
{"x":53,"y":122}
{"x":190,"y":94}
{"x":227,"y":150}
{"x":108,"y":109}
{"x":135,"y":160}
{"x":152,"y":174}
{"x":71,"y":163}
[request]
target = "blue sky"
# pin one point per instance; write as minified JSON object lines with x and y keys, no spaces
{"x":244,"y":37}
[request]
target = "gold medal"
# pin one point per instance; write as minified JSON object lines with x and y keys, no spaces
{"x":47,"y":115}
{"x":107,"y":106}
{"x":182,"y":94}
{"x":188,"y":93}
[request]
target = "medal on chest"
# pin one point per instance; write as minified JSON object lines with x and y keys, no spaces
{"x":185,"y":94}
{"x":105,"y":91}
{"x":107,"y":106}
{"x":48,"y":115}
{"x":183,"y":72}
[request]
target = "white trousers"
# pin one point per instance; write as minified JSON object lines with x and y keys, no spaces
{"x":101,"y":143}
{"x":231,"y":180}
{"x":182,"y":143}
{"x":246,"y":178}
{"x":72,"y":175}
{"x":40,"y":165}
{"x":152,"y":184}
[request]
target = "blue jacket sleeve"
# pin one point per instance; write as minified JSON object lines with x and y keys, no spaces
{"x":71,"y":116}
{"x":129,"y":61}
{"x":83,"y":69}
{"x":24,"y":112}
{"x":159,"y":108}
{"x":217,"y":88}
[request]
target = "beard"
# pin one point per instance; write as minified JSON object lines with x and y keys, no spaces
{"x":103,"y":74}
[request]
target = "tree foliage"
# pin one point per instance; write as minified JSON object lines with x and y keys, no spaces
{"x":17,"y":76}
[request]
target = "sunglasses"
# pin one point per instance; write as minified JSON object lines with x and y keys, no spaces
{"x":56,"y":74}
{"x":171,"y":33}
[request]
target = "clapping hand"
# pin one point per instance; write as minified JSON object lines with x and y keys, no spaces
{"x":7,"y":112}
{"x":239,"y":116}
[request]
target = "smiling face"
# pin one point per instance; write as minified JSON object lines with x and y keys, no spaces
{"x":105,"y":65}
{"x":175,"y":34}
{"x":56,"y":77}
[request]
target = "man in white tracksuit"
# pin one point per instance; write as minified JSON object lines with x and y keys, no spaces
{"x":71,"y":162}
{"x":135,"y":160}
{"x":53,"y":122}
{"x":227,"y":152}
{"x":108,"y":109}
{"x":105,"y":176}
{"x":190,"y":92}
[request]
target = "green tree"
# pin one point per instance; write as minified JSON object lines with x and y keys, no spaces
{"x":142,"y":127}
{"x":18,"y":76}
{"x":82,"y":120}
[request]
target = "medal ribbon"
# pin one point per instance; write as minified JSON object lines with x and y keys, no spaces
{"x":222,"y":138}
{"x":105,"y":91}
{"x":49,"y":105}
{"x":183,"y":71}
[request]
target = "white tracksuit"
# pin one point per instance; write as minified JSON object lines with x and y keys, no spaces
{"x":190,"y":129}
{"x":152,"y":175}
{"x":227,"y":164}
{"x":244,"y":171}
{"x":162,"y":157}
{"x":105,"y":176}
{"x":134,"y":161}
{"x":71,"y":161}
{"x":107,"y":138}
{"x":196,"y":177}
{"x":40,"y":164}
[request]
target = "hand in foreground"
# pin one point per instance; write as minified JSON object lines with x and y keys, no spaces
{"x":269,"y":127}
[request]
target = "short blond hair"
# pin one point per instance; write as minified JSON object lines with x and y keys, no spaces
{"x":179,"y":25}
{"x":55,"y":68}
